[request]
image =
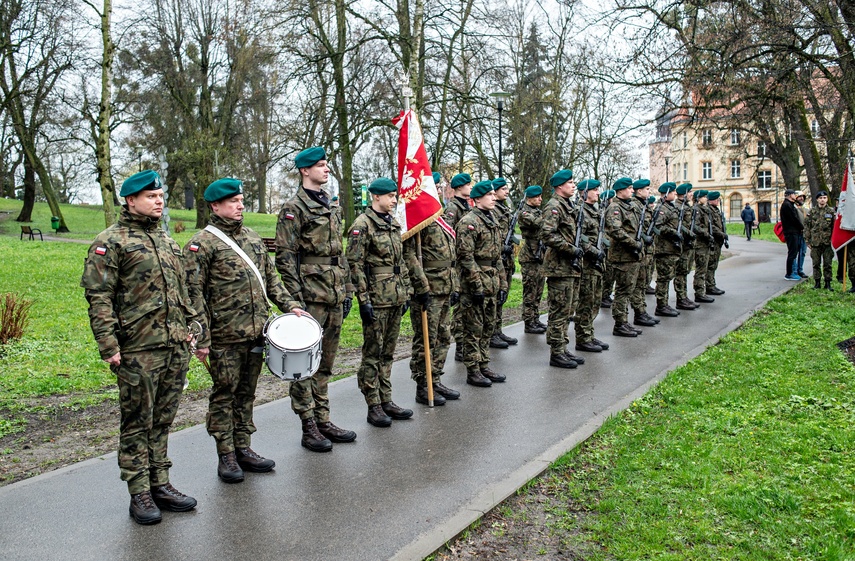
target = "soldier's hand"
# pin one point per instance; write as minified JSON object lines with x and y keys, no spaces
{"x":639,"y":246}
{"x":577,"y":252}
{"x":648,"y":240}
{"x":478,"y":299}
{"x":346,"y":306}
{"x":115,"y":360}
{"x":202,"y":354}
{"x":366,"y":312}
{"x":503,"y":296}
{"x":405,"y":307}
{"x":601,"y":256}
{"x":454,"y":298}
{"x":300,"y":312}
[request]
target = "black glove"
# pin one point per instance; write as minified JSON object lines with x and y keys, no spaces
{"x":648,"y":240}
{"x":346,"y":306}
{"x":577,"y":252}
{"x":503,"y":296}
{"x":366,"y":312}
{"x":691,"y":236}
{"x":601,"y":256}
{"x":678,"y":236}
{"x":405,"y":307}
{"x":726,"y":243}
{"x":639,"y":246}
{"x":478,"y":299}
{"x":423,"y":299}
{"x":454,"y":298}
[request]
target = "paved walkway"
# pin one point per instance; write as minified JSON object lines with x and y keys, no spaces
{"x":396,"y":493}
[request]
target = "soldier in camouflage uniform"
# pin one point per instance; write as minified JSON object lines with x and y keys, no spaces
{"x":531,"y":259}
{"x":687,"y":251}
{"x":608,"y":273}
{"x":651,"y":251}
{"x":309,"y":257}
{"x":625,"y":253}
{"x":455,"y":210}
{"x":482,"y":283}
{"x":703,"y":246}
{"x":224,"y":285}
{"x":818,"y":226}
{"x":504,"y":215}
{"x":591,"y":283}
{"x":719,"y":235}
{"x":375,"y":253}
{"x":641,"y":192}
{"x":139,"y":312}
{"x":561,"y":265}
{"x":432,"y":273}
{"x":669,"y":239}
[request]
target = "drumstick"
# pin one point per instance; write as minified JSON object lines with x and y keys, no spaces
{"x":427,"y":358}
{"x":207,"y":366}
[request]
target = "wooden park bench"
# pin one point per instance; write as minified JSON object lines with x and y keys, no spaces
{"x":31,"y":233}
{"x":270,"y":244}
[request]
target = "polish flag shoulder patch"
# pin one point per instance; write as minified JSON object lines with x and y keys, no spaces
{"x":194,"y":247}
{"x":616,"y":213}
{"x":554,"y":211}
{"x":100,"y":250}
{"x":289,"y":216}
{"x":471,"y":227}
{"x":354,"y":233}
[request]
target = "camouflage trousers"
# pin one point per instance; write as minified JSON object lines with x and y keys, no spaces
{"x":150,"y":386}
{"x":712,"y":265}
{"x":533,"y":283}
{"x":439,"y":337}
{"x":590,"y":296}
{"x":821,"y":255}
{"x":235,"y":369}
{"x":626,"y":275}
{"x":378,"y":352}
{"x":684,"y":267}
{"x":637,"y":300}
{"x":608,"y":279}
{"x":477,"y":322}
{"x":560,"y":295}
{"x":510,"y":267}
{"x":310,"y":397}
{"x":651,"y":267}
{"x":574,"y":297}
{"x":666,"y":270}
{"x":702,"y":262}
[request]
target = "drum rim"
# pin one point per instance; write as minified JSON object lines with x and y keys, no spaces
{"x":272,"y":319}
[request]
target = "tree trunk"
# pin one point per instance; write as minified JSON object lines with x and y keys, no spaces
{"x":26,"y":214}
{"x":807,"y":147}
{"x":346,"y":181}
{"x":102,"y":147}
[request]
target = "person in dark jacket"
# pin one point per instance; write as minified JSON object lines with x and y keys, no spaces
{"x":793,"y":231}
{"x":748,"y":217}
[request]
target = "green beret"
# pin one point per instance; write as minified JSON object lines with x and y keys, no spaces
{"x":480,"y":189}
{"x":310,"y":156}
{"x":561,"y":177}
{"x":607,"y":194}
{"x":382,"y":186}
{"x":436,"y":178}
{"x":589,"y":185}
{"x":651,"y":199}
{"x":147,"y":180}
{"x":684,"y":188}
{"x":713,"y":195}
{"x":460,"y":180}
{"x":499,"y":182}
{"x":702,"y":193}
{"x":667,"y":187}
{"x":533,"y":191}
{"x":223,"y":189}
{"x":622,"y":183}
{"x":640,"y":184}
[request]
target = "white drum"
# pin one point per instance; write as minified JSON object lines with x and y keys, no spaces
{"x":293,"y":346}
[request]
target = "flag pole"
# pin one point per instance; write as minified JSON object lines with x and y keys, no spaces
{"x":845,"y":262}
{"x":425,"y":334}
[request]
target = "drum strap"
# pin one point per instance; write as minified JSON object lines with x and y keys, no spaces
{"x":236,"y":248}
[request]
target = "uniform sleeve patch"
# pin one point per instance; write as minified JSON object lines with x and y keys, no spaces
{"x":471,"y":227}
{"x":194,"y":247}
{"x":289,"y":216}
{"x":355,"y":233}
{"x":554,"y":211}
{"x":616,"y":213}
{"x":451,"y":215}
{"x":100,"y":250}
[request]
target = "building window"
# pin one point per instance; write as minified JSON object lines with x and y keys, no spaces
{"x":706,"y":137}
{"x":735,"y":169}
{"x":764,"y":179}
{"x":735,"y":137}
{"x":706,"y":170}
{"x":685,"y":140}
{"x":736,"y":206}
{"x":814,"y":128}
{"x":761,"y":149}
{"x":685,"y":171}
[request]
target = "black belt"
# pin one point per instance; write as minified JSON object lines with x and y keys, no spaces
{"x":311,"y":260}
{"x":487,"y":263}
{"x":383,"y":270}
{"x":438,"y":264}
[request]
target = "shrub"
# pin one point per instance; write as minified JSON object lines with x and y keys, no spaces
{"x":14,"y":317}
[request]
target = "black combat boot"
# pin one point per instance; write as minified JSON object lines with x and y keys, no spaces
{"x":446,"y":392}
{"x":507,"y":339}
{"x":606,"y":302}
{"x":649,"y":290}
{"x":497,"y":343}
{"x":715,"y":291}
{"x":561,"y":360}
{"x":249,"y":460}
{"x":624,"y":330}
{"x":397,"y":413}
{"x":686,"y":304}
{"x":228,"y":468}
{"x":640,"y":319}
{"x":604,"y":346}
{"x":589,"y":347}
{"x":143,"y":509}
{"x":377,"y":417}
{"x":494,"y":377}
{"x":458,"y":354}
{"x":817,"y":284}
{"x":666,"y":311}
{"x":703,"y":299}
{"x":312,"y":438}
{"x":577,"y":359}
{"x":828,"y":284}
{"x":168,"y":497}
{"x":422,"y":395}
{"x":532,"y":327}
{"x":475,"y":378}
{"x":334,"y":433}
{"x":540,"y":323}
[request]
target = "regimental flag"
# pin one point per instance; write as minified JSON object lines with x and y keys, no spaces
{"x":844,"y":223}
{"x":418,"y":198}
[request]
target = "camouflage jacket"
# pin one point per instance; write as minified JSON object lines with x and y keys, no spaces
{"x":376,"y":257}
{"x":703,"y":227}
{"x":310,"y":251}
{"x":455,"y":210}
{"x":134,"y":282}
{"x":719,"y":228}
{"x":436,"y":272}
{"x":686,"y":232}
{"x":479,"y":254}
{"x":503,"y":215}
{"x":667,"y":223}
{"x":641,"y":204}
{"x":621,"y":226}
{"x":590,"y":233}
{"x":818,"y":226}
{"x":530,"y":220}
{"x":221,"y":283}
{"x":558,"y":233}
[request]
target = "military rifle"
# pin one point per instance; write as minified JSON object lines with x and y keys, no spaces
{"x":640,"y":230}
{"x":601,"y":239}
{"x":512,"y":239}
{"x":577,"y":264}
{"x":724,"y":227}
{"x":694,"y":217}
{"x":679,"y":241}
{"x":652,"y":228}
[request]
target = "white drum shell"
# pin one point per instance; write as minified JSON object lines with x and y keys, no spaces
{"x":293,"y":346}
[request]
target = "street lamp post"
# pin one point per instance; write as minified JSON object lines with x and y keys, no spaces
{"x":500,"y":96}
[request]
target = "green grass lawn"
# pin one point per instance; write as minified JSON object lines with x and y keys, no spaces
{"x":744,"y":453}
{"x":737,"y":230}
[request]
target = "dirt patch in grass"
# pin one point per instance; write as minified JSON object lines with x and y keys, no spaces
{"x":847,"y":347}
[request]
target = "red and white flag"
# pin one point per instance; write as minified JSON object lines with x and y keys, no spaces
{"x":418,"y":198}
{"x":844,"y":223}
